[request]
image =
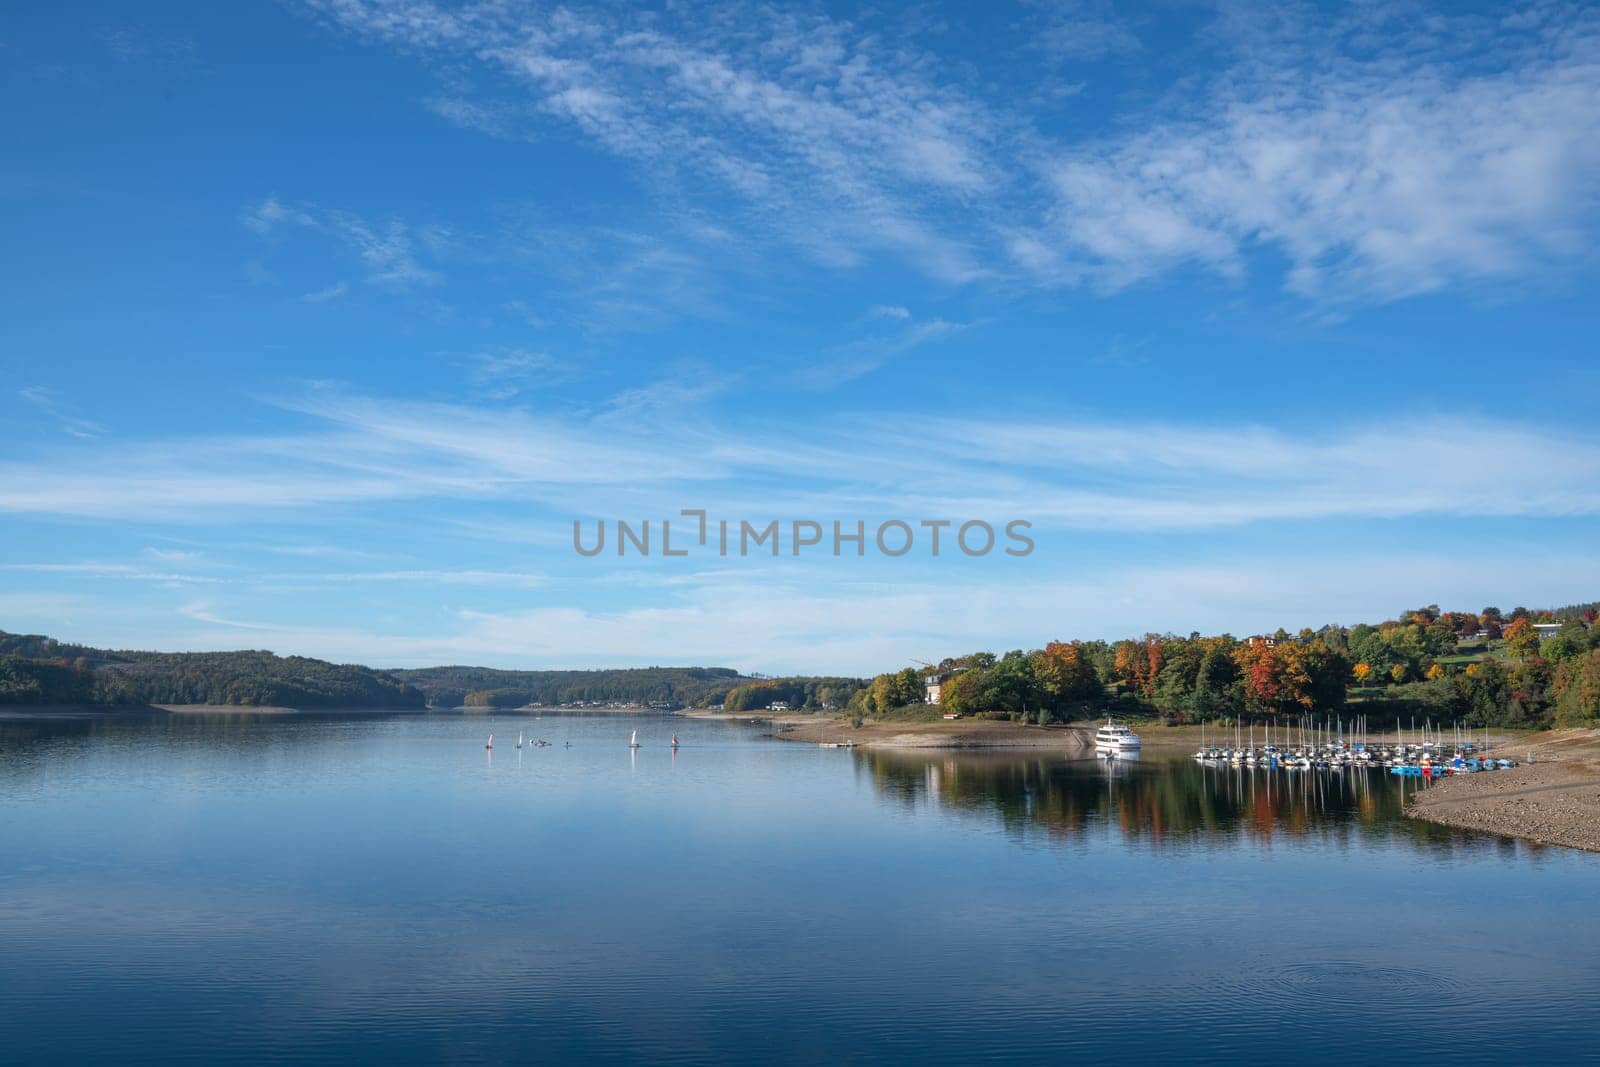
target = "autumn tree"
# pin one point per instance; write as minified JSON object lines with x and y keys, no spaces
{"x":1258,"y":670}
{"x":1065,"y":676}
{"x":1522,"y":640}
{"x":960,"y":692}
{"x":1576,"y":690}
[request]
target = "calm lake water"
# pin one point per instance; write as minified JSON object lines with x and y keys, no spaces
{"x":255,"y":889}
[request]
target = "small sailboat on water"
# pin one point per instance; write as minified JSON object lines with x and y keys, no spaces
{"x":634,"y":741}
{"x":519,"y":739}
{"x":490,"y":742}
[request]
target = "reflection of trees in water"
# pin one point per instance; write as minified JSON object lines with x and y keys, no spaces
{"x":1158,"y":801}
{"x":28,"y":745}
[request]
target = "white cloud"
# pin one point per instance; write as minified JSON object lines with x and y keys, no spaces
{"x":174,"y":555}
{"x":272,"y":213}
{"x":387,"y":249}
{"x":492,"y":579}
{"x":1375,"y":178}
{"x":1379,"y":154}
{"x":1082,"y":30}
{"x":322,"y":296}
{"x":503,"y":374}
{"x":90,"y":569}
{"x":828,"y":138}
{"x":646,"y":449}
{"x":774,"y":625}
{"x":861,"y":357}
{"x":65,"y":416}
{"x":685,"y":389}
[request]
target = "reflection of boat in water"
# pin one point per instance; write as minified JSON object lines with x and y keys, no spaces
{"x":1160,"y":797}
{"x":1115,"y":755}
{"x":1114,"y":738}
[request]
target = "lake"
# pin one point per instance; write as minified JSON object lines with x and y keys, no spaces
{"x":335,"y":888}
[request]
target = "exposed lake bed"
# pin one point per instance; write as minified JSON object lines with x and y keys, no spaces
{"x":1555,"y":802}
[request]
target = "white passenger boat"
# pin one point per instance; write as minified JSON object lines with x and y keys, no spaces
{"x":1114,"y":738}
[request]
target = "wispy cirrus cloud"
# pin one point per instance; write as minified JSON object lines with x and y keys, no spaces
{"x":646,"y":451}
{"x":826,"y":138}
{"x":684,"y":390}
{"x":858,"y":358}
{"x":1379,"y":163}
{"x":60,"y":411}
{"x":388,"y":250}
{"x":93,"y":569}
{"x":502,"y":374}
{"x":322,"y":296}
{"x":1377,"y":155}
{"x":1073,"y":30}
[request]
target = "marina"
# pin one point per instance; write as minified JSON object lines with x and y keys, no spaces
{"x":1305,"y":747}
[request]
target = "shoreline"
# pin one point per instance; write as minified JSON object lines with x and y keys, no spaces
{"x":888,"y":733}
{"x":90,"y":711}
{"x":821,"y":727}
{"x":1554,"y":800}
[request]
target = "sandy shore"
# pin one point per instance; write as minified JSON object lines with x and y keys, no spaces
{"x":984,"y":733}
{"x":1554,"y":800}
{"x":224,"y":709}
{"x":957,"y":733}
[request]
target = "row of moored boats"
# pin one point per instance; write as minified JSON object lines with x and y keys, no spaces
{"x":1325,"y":750}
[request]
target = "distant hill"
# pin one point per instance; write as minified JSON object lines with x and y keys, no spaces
{"x":40,"y":670}
{"x":692,"y":687}
{"x":487,"y":687}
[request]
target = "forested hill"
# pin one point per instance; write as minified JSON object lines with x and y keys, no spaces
{"x":40,"y":670}
{"x":487,"y":687}
{"x":688,"y":687}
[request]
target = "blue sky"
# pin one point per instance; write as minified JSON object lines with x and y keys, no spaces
{"x":325,"y":320}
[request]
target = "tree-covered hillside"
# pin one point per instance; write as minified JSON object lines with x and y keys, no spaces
{"x":1489,"y":668}
{"x":487,"y":687}
{"x":39,"y":670}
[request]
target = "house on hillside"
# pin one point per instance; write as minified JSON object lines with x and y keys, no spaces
{"x":933,"y":685}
